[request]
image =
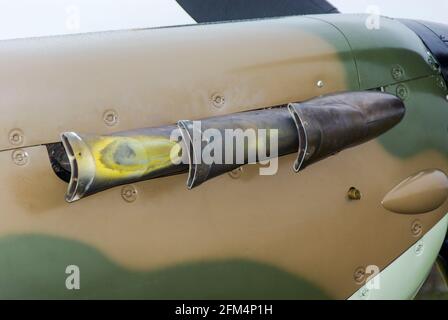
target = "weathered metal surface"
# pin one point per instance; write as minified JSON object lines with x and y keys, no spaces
{"x":169,"y":242}
{"x":379,"y":49}
{"x":331,"y":124}
{"x":151,"y":77}
{"x":336,"y":122}
{"x":98,"y":163}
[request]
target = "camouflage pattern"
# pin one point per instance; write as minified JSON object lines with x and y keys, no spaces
{"x":285,"y":236}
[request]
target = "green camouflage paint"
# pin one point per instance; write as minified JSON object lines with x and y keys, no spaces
{"x":425,"y":124}
{"x":33,"y":267}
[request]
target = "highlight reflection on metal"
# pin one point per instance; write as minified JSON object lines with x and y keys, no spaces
{"x":101,"y":162}
{"x":317,"y":128}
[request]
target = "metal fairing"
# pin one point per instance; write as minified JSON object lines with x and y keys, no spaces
{"x":283,"y":236}
{"x":435,"y":37}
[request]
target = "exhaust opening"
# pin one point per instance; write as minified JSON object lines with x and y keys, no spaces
{"x":59,"y":161}
{"x":78,"y":156}
{"x":73,"y":183}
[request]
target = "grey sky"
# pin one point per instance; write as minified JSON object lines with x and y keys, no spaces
{"x":28,"y":18}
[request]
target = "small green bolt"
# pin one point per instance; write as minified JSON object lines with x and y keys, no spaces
{"x":397,"y":72}
{"x":402,"y":92}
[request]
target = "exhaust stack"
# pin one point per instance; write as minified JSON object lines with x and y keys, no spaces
{"x":101,"y":162}
{"x":315,"y":129}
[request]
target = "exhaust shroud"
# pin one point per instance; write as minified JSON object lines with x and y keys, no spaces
{"x":315,"y":130}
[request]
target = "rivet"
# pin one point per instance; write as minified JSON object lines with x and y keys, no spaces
{"x":397,"y":72}
{"x":218,"y":100}
{"x":110,"y":117}
{"x":16,"y":137}
{"x":20,"y":157}
{"x":416,"y":228}
{"x":129,"y":193}
{"x":237,"y":173}
{"x":402,"y":91}
{"x":354,"y":194}
{"x":320,"y":84}
{"x":418,"y":248}
{"x":359,"y":275}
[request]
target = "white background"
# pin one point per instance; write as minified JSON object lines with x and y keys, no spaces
{"x":28,"y":18}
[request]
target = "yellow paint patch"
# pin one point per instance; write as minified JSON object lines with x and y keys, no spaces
{"x":126,"y":157}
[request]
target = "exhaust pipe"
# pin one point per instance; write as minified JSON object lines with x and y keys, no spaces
{"x":315,"y":129}
{"x":237,"y":131}
{"x":330,"y":124}
{"x":101,"y":162}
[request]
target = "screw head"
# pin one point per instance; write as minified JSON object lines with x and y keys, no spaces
{"x":129,"y":193}
{"x":218,"y":100}
{"x":237,"y":173}
{"x":397,"y":72}
{"x":320,"y":84}
{"x":16,"y":137}
{"x":359,"y":275}
{"x":402,"y":92}
{"x":20,"y":157}
{"x":416,"y":228}
{"x":110,"y":118}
